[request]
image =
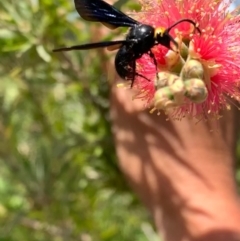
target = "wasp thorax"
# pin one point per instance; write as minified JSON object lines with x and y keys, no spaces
{"x":141,"y":33}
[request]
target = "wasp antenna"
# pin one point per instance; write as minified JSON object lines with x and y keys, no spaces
{"x":174,"y":42}
{"x":184,"y":20}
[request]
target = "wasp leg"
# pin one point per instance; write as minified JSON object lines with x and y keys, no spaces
{"x":136,"y":74}
{"x":151,"y":54}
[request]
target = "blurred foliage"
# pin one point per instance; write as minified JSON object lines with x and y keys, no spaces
{"x":58,"y":177}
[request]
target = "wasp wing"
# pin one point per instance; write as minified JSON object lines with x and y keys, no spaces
{"x":116,"y":43}
{"x":100,"y":11}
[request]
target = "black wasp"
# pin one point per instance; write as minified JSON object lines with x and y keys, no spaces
{"x":139,"y":40}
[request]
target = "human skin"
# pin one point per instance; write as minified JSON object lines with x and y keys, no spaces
{"x":183,"y":171}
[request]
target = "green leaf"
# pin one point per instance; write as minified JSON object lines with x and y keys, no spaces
{"x":43,"y":53}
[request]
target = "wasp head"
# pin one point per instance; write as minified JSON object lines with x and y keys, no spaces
{"x":162,"y":36}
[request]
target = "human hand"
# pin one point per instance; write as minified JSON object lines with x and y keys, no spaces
{"x":183,"y":171}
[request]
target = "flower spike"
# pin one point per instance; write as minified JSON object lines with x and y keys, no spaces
{"x":199,"y":74}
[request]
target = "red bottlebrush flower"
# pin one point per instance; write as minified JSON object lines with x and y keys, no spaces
{"x":205,"y":74}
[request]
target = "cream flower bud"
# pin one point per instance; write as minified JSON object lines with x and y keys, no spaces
{"x":174,"y":61}
{"x":163,"y":99}
{"x":196,"y":90}
{"x":178,"y":89}
{"x":193,"y":52}
{"x":184,"y":50}
{"x":165,"y":78}
{"x":171,"y":95}
{"x":192,"y":69}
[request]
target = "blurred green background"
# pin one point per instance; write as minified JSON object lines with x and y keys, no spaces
{"x":58,"y":174}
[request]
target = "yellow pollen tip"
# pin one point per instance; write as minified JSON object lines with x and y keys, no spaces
{"x":123,"y":85}
{"x":159,"y":31}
